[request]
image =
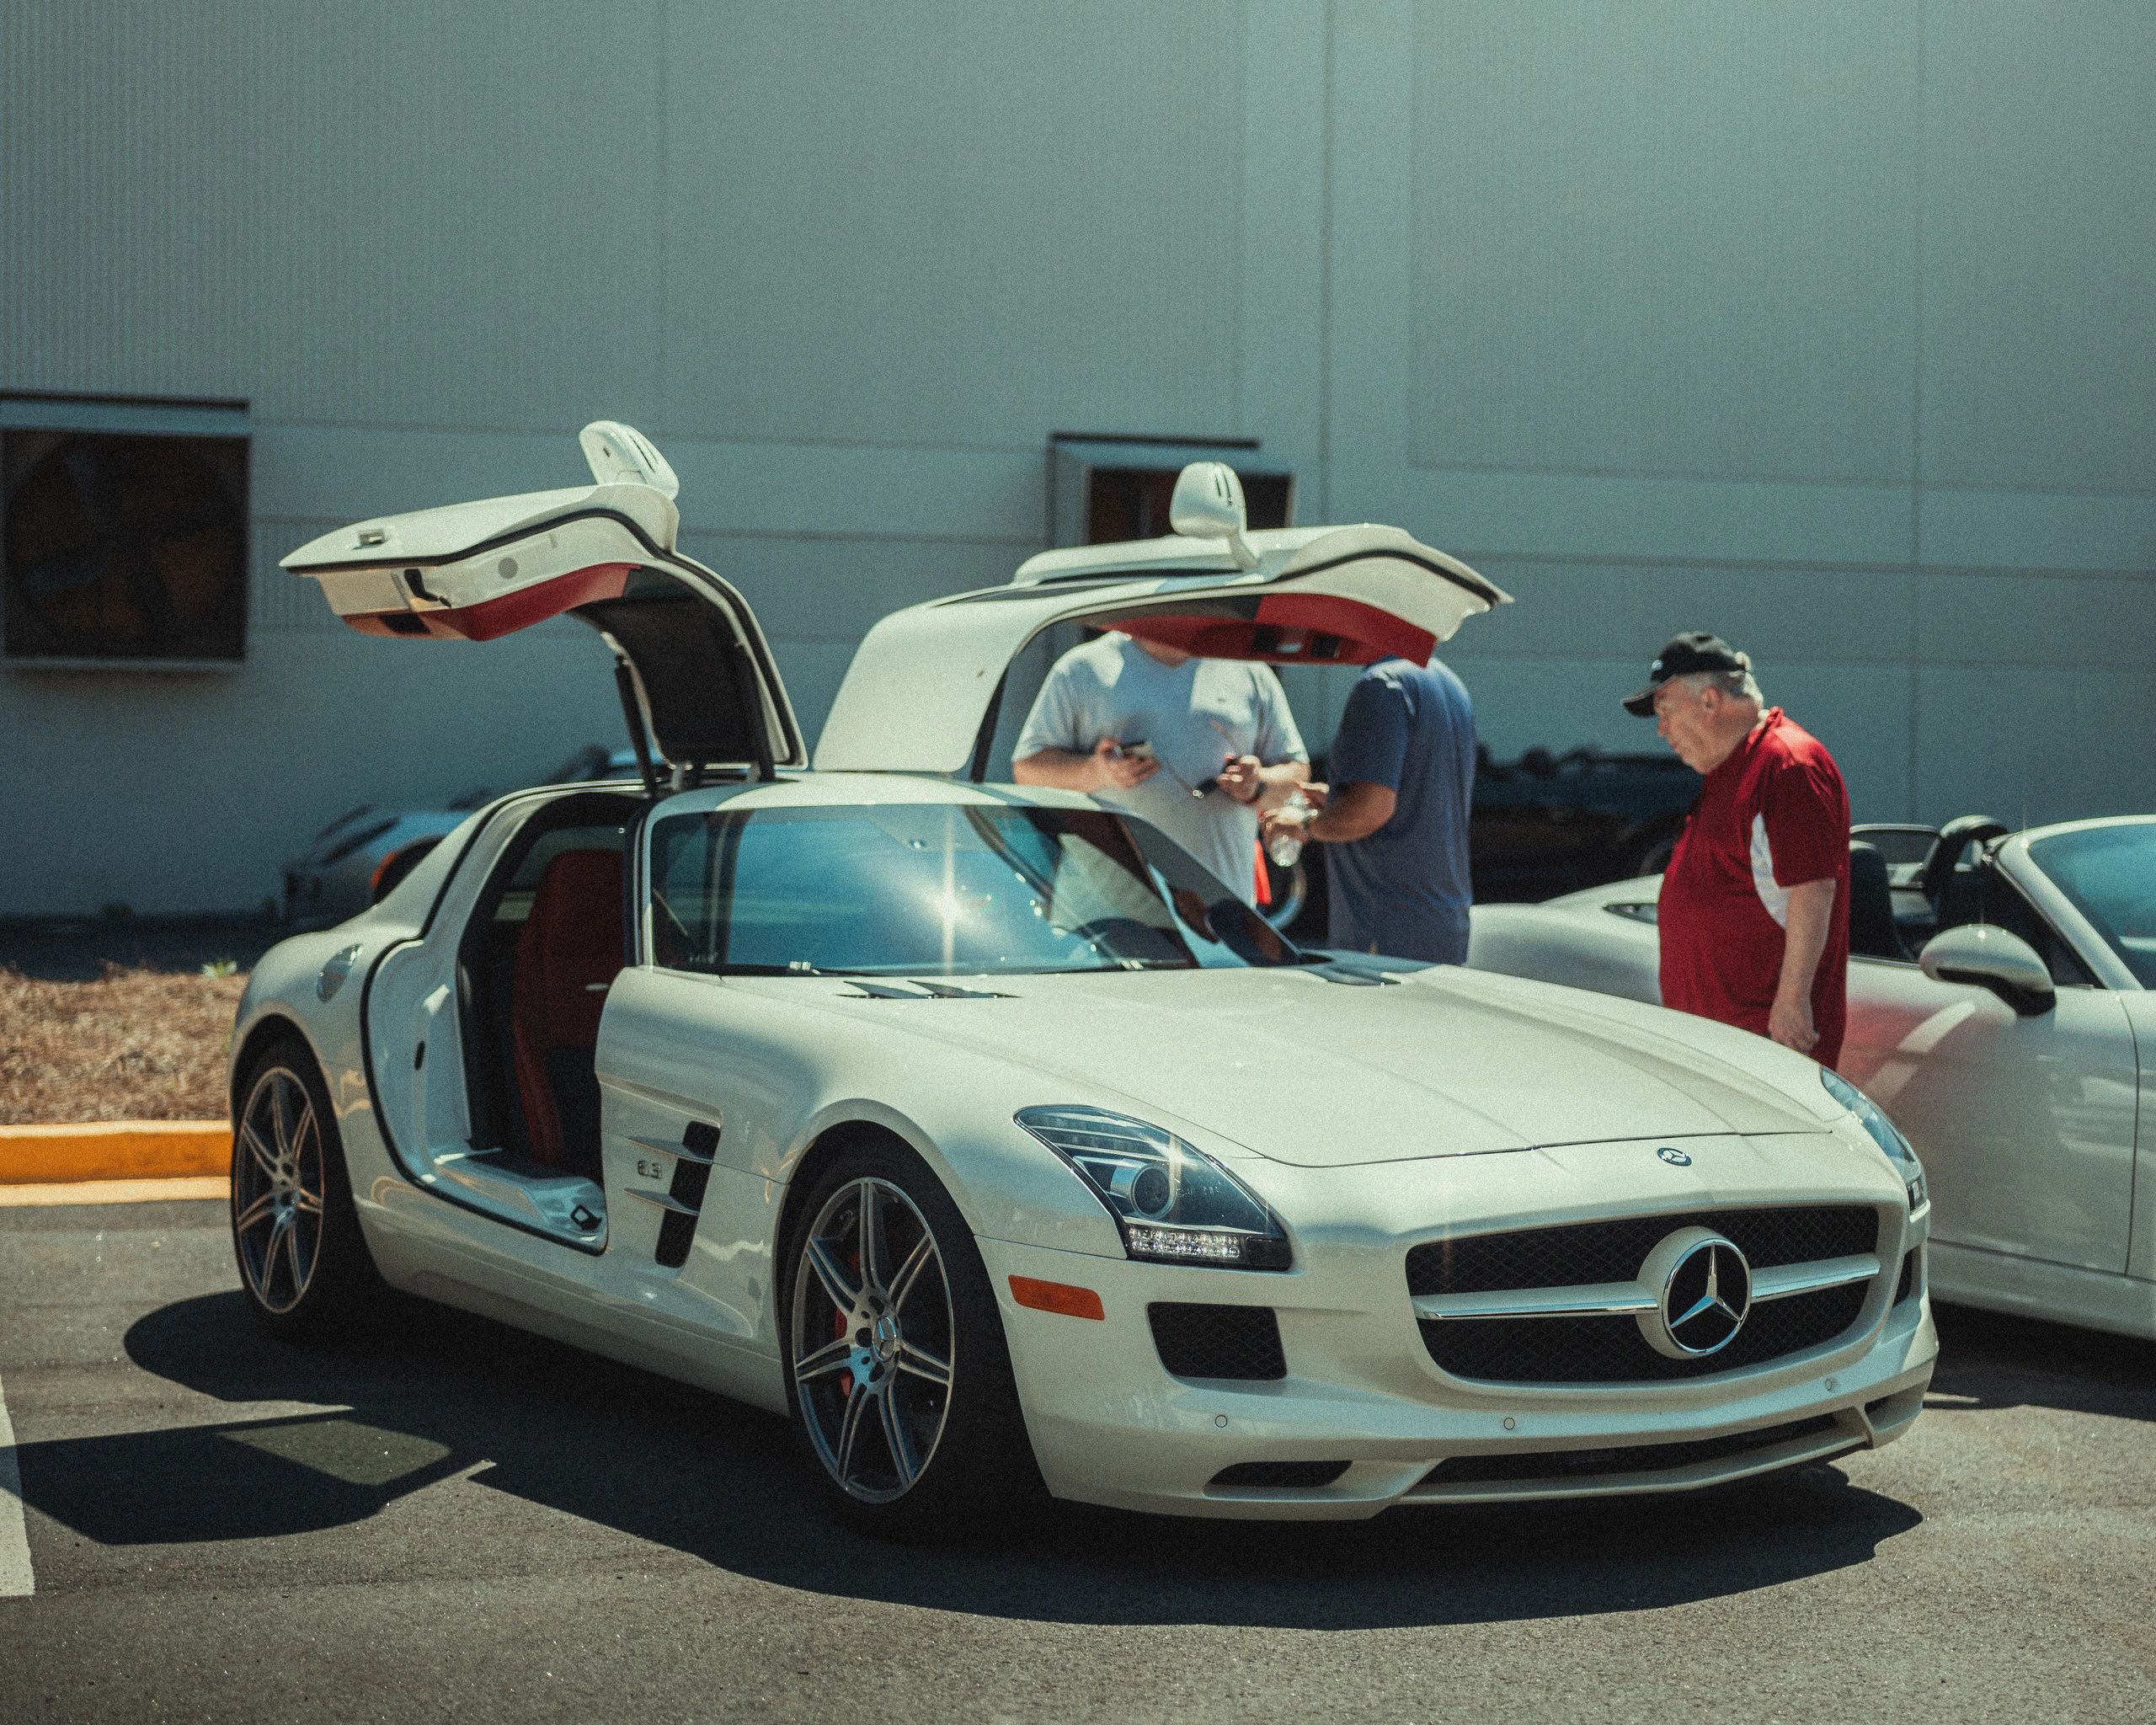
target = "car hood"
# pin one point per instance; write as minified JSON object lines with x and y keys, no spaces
{"x":1318,"y":1073}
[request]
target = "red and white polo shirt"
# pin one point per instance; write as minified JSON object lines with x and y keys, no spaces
{"x":1772,"y":816}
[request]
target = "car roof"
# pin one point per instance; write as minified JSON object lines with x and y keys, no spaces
{"x":885,"y":789}
{"x":821,"y":790}
{"x":1278,"y":551}
{"x":2091,"y":825}
{"x":924,"y":687}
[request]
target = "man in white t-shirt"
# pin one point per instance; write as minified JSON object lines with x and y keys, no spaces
{"x":1223,"y":745}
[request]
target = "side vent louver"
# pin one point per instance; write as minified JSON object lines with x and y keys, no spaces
{"x":683,"y":1200}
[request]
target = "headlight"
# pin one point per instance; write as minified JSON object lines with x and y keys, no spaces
{"x":1883,"y":1132}
{"x":1174,"y":1204}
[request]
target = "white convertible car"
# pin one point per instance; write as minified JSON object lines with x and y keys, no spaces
{"x":2002,"y":1008}
{"x":984,"y":1133}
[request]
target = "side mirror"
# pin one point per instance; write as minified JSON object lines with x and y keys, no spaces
{"x":1208,"y":504}
{"x":619,"y":454}
{"x":1990,"y":957}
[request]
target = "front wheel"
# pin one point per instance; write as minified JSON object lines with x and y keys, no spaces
{"x":898,"y":1370}
{"x":302,"y":1262}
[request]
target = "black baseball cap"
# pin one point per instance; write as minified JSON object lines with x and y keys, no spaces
{"x":1693,"y":650}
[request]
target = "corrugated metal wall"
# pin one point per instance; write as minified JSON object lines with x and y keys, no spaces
{"x":1823,"y":324}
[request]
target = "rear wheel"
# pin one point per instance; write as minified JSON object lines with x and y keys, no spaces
{"x":898,"y":1369}
{"x":296,"y":1235}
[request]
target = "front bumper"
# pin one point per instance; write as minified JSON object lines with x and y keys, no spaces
{"x":1110,"y":1425}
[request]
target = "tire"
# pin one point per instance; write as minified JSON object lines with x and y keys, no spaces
{"x":899,"y":1382}
{"x":303,"y":1263}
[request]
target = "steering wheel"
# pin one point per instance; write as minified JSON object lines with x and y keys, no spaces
{"x":1954,"y":838}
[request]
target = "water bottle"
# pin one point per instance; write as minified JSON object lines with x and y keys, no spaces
{"x":1285,"y":849}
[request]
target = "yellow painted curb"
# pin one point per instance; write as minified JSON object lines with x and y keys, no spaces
{"x":193,"y":1186}
{"x":113,"y":1150}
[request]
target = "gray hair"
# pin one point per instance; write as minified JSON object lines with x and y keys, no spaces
{"x":1739,"y":685}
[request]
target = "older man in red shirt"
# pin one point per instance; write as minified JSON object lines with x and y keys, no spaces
{"x":1754,"y":920}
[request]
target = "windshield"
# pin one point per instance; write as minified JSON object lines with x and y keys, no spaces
{"x":2108,"y":873}
{"x":939,"y":889}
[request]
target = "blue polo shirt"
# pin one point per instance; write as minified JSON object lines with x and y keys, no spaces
{"x":1404,"y":891}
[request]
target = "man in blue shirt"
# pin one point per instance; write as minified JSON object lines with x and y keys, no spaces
{"x":1395,"y":815}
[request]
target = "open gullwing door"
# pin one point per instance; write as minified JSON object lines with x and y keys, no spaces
{"x":700,"y":670}
{"x":922,"y":693}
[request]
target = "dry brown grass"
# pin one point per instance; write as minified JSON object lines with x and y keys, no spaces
{"x":136,"y":1045}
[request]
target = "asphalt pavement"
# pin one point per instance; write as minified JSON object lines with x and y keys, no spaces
{"x":456,"y":1520}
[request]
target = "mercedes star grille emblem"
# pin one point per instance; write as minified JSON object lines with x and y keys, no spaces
{"x":1704,"y":1293}
{"x":1675,"y":1158}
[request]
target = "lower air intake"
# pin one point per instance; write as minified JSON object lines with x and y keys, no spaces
{"x":1218,"y":1341}
{"x":1639,"y":1458}
{"x":1278,"y":1475}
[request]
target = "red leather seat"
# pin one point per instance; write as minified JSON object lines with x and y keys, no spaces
{"x":571,"y":943}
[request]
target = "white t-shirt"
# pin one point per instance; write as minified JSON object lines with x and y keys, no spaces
{"x":1197,"y":715}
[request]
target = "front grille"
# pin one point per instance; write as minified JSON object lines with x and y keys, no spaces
{"x":1613,"y":1251}
{"x":1600,"y":1349}
{"x":1218,"y":1341}
{"x":1611,"y":1350}
{"x":1639,"y":1458}
{"x":1280,"y":1476}
{"x":1908,"y":1285}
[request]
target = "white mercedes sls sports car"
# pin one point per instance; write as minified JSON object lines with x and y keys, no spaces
{"x":2002,"y":1008}
{"x":984,"y":1133}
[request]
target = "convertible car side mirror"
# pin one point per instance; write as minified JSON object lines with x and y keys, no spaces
{"x":1208,"y":504}
{"x":1990,"y":957}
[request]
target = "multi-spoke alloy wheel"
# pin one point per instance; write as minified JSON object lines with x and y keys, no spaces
{"x":294,"y":1231}
{"x":278,"y":1190}
{"x":873,"y":1339}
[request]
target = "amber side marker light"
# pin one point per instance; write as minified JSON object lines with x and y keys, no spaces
{"x":1056,"y":1296}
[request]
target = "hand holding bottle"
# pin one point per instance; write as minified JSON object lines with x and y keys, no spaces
{"x":1285,"y":828}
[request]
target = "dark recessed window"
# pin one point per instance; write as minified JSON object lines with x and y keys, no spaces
{"x":1104,"y":488}
{"x":123,"y":535}
{"x":1132,"y":503}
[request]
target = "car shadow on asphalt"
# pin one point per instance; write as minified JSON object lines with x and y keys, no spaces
{"x":1988,"y":1360}
{"x":448,"y":1395}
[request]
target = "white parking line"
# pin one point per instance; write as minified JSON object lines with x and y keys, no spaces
{"x":16,"y":1580}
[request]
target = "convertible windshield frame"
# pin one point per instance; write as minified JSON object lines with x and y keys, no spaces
{"x":936,"y":889}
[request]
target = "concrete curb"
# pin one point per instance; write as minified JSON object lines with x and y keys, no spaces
{"x":113,"y":1150}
